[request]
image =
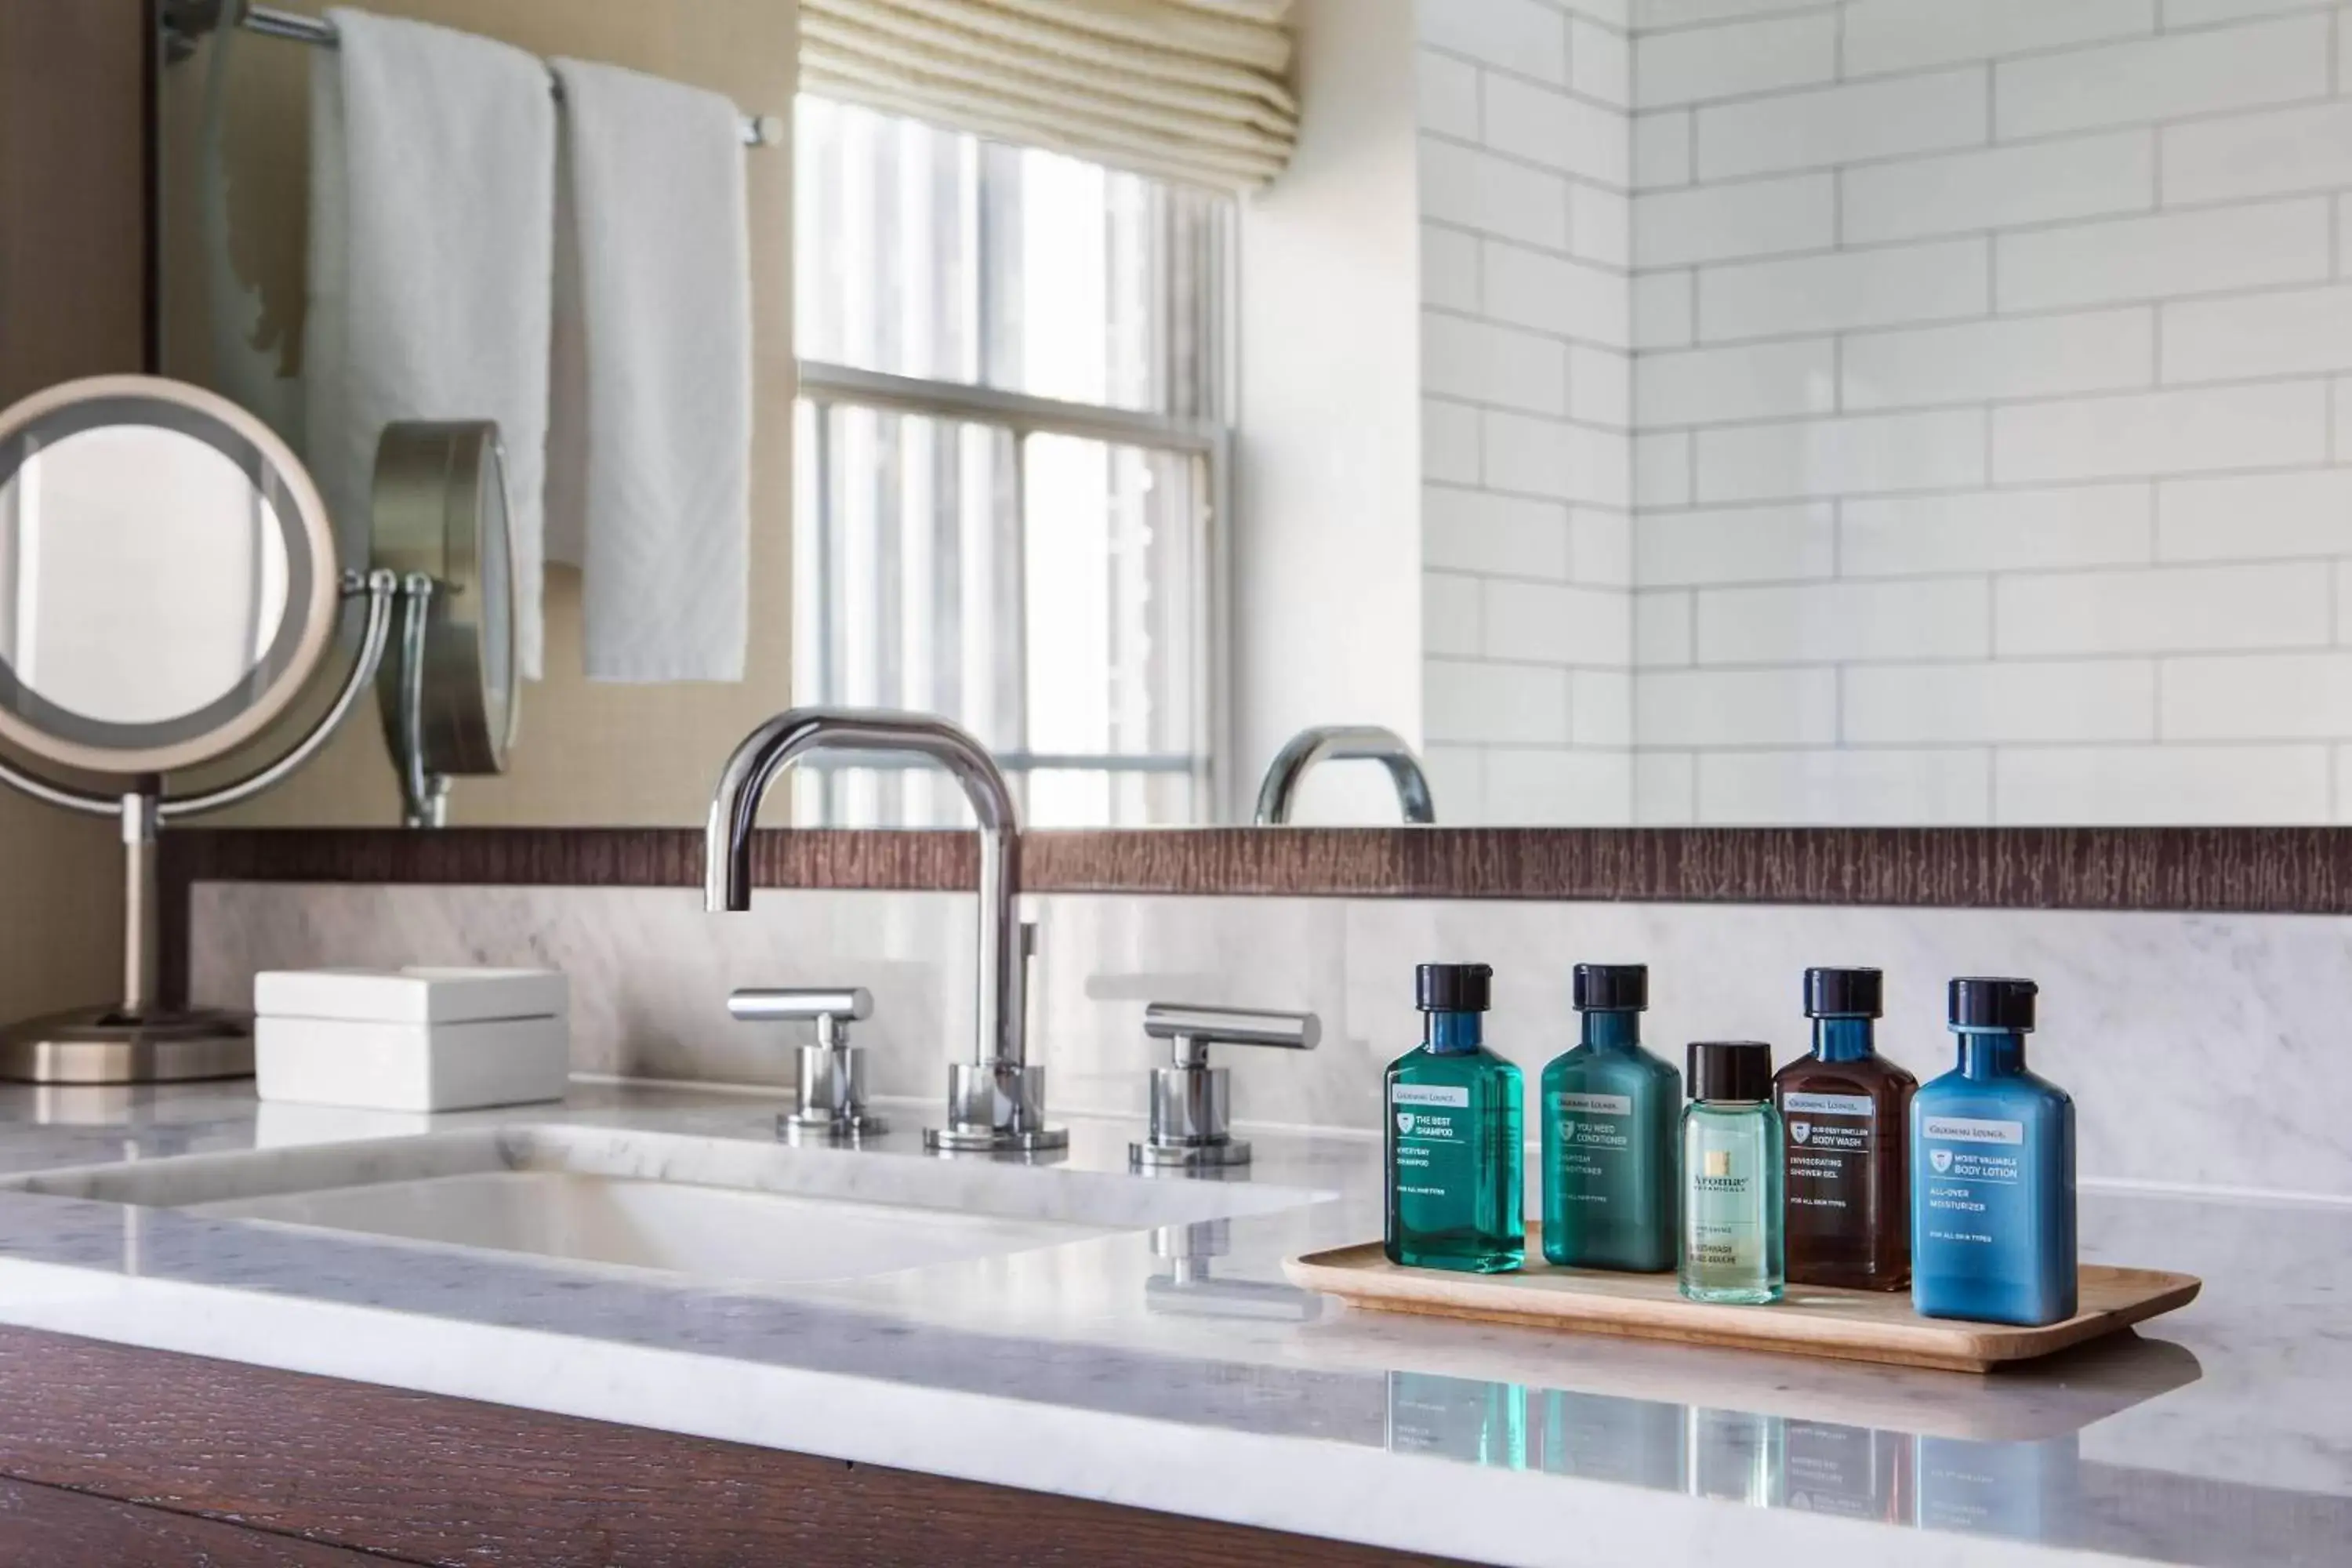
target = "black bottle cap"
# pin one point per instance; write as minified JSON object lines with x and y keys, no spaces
{"x":1989,"y":1002}
{"x":1730,"y":1070}
{"x":1612,"y":987}
{"x":1453,"y":987}
{"x":1844,"y":994}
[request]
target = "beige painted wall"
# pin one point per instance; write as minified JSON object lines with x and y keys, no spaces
{"x":590,"y":753}
{"x":72,"y":303}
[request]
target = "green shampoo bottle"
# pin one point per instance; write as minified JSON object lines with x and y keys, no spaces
{"x":1453,"y":1132}
{"x":1609,"y":1110}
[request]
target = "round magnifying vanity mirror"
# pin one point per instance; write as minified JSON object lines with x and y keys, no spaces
{"x":451,"y":698}
{"x":168,"y":587}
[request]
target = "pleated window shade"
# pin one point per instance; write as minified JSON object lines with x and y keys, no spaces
{"x":1186,"y":90}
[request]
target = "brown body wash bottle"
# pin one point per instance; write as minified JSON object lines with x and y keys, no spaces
{"x":1847,"y":1113}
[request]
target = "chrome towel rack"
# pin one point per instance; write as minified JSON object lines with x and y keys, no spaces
{"x":758,"y":130}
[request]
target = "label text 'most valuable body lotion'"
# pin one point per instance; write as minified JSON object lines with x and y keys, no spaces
{"x":1993,"y":1172}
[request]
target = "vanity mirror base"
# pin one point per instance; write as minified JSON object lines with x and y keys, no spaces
{"x":107,"y":1046}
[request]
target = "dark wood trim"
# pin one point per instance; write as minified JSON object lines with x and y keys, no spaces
{"x":2246,"y":870}
{"x":350,"y":1467}
{"x":49,"y":1527}
{"x":2305,"y":870}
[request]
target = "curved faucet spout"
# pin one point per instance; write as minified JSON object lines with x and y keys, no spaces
{"x":1344,"y":743}
{"x":997,"y":1100}
{"x":776,"y":745}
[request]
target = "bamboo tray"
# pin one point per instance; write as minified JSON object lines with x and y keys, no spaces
{"x":1848,"y":1325}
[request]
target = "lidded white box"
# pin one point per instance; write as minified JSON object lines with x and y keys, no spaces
{"x":419,"y":995}
{"x":418,"y":1039}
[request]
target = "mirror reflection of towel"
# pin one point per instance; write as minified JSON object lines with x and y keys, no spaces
{"x":650,"y":441}
{"x":432,"y":234}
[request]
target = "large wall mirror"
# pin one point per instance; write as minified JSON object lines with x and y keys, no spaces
{"x":1863,"y":413}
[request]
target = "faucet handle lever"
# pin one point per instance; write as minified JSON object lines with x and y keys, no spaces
{"x":827,"y":1005}
{"x":1192,"y":1029}
{"x":830,"y":1084}
{"x":1192,"y":1102}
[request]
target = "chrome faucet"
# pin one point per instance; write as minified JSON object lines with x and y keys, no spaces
{"x":1343,"y":742}
{"x":996,"y":1101}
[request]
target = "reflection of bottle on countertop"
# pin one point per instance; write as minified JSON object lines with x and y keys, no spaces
{"x":1735,"y":1454}
{"x":1608,"y":1109}
{"x":1605,"y":1437}
{"x":1464,"y":1418}
{"x":1453,"y":1134}
{"x":1845,"y":1110}
{"x":1855,"y":1472}
{"x":2015,"y":1489}
{"x":1993,"y":1172}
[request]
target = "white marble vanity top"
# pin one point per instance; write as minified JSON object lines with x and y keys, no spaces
{"x":1105,"y":1368}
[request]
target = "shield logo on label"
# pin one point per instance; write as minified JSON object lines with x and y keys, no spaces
{"x":1404,"y":1121}
{"x":1941,"y":1159}
{"x":1801,"y":1130}
{"x":1568,"y":1130}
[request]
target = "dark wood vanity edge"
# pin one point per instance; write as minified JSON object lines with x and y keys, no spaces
{"x":262,"y":1467}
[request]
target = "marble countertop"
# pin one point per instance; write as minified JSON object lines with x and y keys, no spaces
{"x":1176,"y":1370}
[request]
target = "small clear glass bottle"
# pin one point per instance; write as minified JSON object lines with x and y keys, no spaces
{"x":1731,"y":1242}
{"x":1452,"y":1131}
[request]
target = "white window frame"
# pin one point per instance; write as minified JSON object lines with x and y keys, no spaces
{"x":1209,"y":446}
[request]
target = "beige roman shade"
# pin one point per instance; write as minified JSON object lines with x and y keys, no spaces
{"x":1190,"y":90}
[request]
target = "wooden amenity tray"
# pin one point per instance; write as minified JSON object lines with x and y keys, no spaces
{"x":1849,"y":1325}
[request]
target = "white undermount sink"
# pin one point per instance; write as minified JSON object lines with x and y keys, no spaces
{"x":711,"y":1207}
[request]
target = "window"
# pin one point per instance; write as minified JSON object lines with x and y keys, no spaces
{"x":1010,"y":459}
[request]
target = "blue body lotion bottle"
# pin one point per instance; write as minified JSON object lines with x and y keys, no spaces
{"x":1993,"y":1172}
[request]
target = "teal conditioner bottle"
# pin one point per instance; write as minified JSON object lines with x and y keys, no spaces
{"x":1608,"y":1109}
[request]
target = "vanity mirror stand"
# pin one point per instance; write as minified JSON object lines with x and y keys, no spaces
{"x":169,"y":588}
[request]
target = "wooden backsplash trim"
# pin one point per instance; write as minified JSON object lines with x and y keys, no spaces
{"x":2246,"y":869}
{"x":2261,"y":870}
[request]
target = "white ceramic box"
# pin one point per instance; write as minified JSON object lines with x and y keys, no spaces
{"x":418,"y":995}
{"x":413,"y":1040}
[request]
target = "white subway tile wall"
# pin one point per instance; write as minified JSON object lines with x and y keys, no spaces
{"x":1528,"y":545}
{"x":1992,"y":405}
{"x":1984,"y":449}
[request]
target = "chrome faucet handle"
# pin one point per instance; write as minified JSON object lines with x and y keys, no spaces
{"x":1190,"y":1101}
{"x":831,"y":1082}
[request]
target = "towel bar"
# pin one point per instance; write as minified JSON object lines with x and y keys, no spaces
{"x":759,"y":130}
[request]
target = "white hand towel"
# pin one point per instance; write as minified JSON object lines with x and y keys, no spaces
{"x":432,"y":261}
{"x":650,"y":447}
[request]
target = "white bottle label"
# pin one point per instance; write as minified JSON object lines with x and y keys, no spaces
{"x":1971,"y":1130}
{"x":1430,"y":1094}
{"x":1595,"y":1104}
{"x":1827,"y":1104}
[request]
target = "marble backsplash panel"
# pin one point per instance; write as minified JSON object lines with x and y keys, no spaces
{"x":2202,"y":1050}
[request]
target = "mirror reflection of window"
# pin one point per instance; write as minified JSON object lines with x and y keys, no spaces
{"x":1042,"y":579}
{"x":119,"y":621}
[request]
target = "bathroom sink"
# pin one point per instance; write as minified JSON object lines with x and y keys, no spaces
{"x":710,"y":1207}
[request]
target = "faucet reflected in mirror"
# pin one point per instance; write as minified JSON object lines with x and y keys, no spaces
{"x":1340,"y":743}
{"x":996,"y":1101}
